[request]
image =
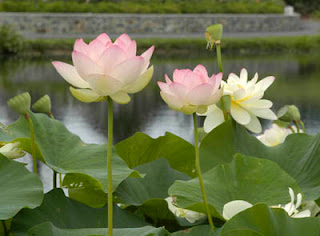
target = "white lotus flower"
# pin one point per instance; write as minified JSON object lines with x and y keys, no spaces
{"x":191,"y":216}
{"x":234,"y":207}
{"x":276,"y":135}
{"x":292,"y":207}
{"x":12,"y":150}
{"x":246,"y":102}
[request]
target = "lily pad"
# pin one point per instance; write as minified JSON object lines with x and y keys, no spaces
{"x":66,"y":213}
{"x":262,"y":220}
{"x":18,"y":188}
{"x":299,"y":155}
{"x":49,"y":229}
{"x":245,"y":178}
{"x":64,"y":151}
{"x":140,"y":149}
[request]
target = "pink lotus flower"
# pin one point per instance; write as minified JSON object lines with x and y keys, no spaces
{"x":102,"y":68}
{"x":191,"y":91}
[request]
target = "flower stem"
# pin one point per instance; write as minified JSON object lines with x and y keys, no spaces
{"x":54,"y":179}
{"x":6,"y":233}
{"x":218,"y":49}
{"x":297,"y":125}
{"x":196,"y":149}
{"x":302,"y":126}
{"x":109,"y":160}
{"x":33,"y":144}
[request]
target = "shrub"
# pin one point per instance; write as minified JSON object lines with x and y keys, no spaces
{"x":10,"y":41}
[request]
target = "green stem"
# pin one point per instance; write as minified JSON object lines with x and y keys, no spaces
{"x":196,"y":149}
{"x":297,"y":125}
{"x":292,"y":130}
{"x":302,"y":125}
{"x":225,"y":115}
{"x":60,"y":180}
{"x":109,"y":160}
{"x":54,"y":179}
{"x":218,"y":49}
{"x":6,"y":233}
{"x":33,"y":144}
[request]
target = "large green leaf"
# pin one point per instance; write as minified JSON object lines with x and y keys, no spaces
{"x":159,"y":176}
{"x":149,"y":193}
{"x":18,"y":188}
{"x":262,"y":220}
{"x":140,"y":149}
{"x":49,"y":229}
{"x":245,"y":178}
{"x":65,"y":153}
{"x":195,"y":231}
{"x":299,"y":155}
{"x":66,"y":213}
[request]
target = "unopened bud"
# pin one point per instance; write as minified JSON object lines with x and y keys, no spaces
{"x":289,"y":113}
{"x":213,"y":35}
{"x":43,"y":105}
{"x":20,"y":103}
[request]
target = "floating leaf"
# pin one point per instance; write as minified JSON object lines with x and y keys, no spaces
{"x":66,"y":213}
{"x":18,"y":188}
{"x":64,"y":151}
{"x":299,"y":155}
{"x":140,"y":149}
{"x":49,"y":229}
{"x":245,"y":178}
{"x":262,"y":220}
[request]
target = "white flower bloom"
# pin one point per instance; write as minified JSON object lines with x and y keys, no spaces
{"x":12,"y":150}
{"x":191,"y":216}
{"x":274,"y":135}
{"x":234,"y":207}
{"x":246,"y":102}
{"x":292,"y":207}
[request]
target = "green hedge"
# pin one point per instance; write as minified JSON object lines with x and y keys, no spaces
{"x":154,"y":6}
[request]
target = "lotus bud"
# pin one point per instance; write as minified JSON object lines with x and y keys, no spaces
{"x":12,"y":150}
{"x":289,"y":113}
{"x":20,"y":103}
{"x":43,"y":105}
{"x":213,"y":35}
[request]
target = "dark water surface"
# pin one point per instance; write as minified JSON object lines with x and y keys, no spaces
{"x":297,"y":82}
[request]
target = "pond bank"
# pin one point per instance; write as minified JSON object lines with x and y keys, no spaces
{"x":239,"y":46}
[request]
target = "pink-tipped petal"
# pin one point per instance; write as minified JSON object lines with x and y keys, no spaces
{"x":178,"y":75}
{"x":80,"y":46}
{"x":132,"y":49}
{"x":173,"y":101}
{"x":84,"y":65}
{"x":70,"y":74}
{"x":178,"y":90}
{"x":140,"y":83}
{"x":147,"y":56}
{"x":123,"y":41}
{"x":202,"y":71}
{"x":200,"y":95}
{"x":215,"y":80}
{"x":129,"y":70}
{"x":191,"y":80}
{"x":104,"y":38}
{"x":111,"y":57}
{"x":164,"y":87}
{"x":167,"y":79}
{"x":95,"y":49}
{"x":104,"y":85}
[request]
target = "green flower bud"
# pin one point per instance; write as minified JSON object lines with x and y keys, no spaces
{"x":213,"y":35}
{"x":20,"y":103}
{"x":289,"y":113}
{"x":43,"y":105}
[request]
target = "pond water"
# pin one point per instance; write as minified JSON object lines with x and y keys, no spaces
{"x":297,"y":82}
